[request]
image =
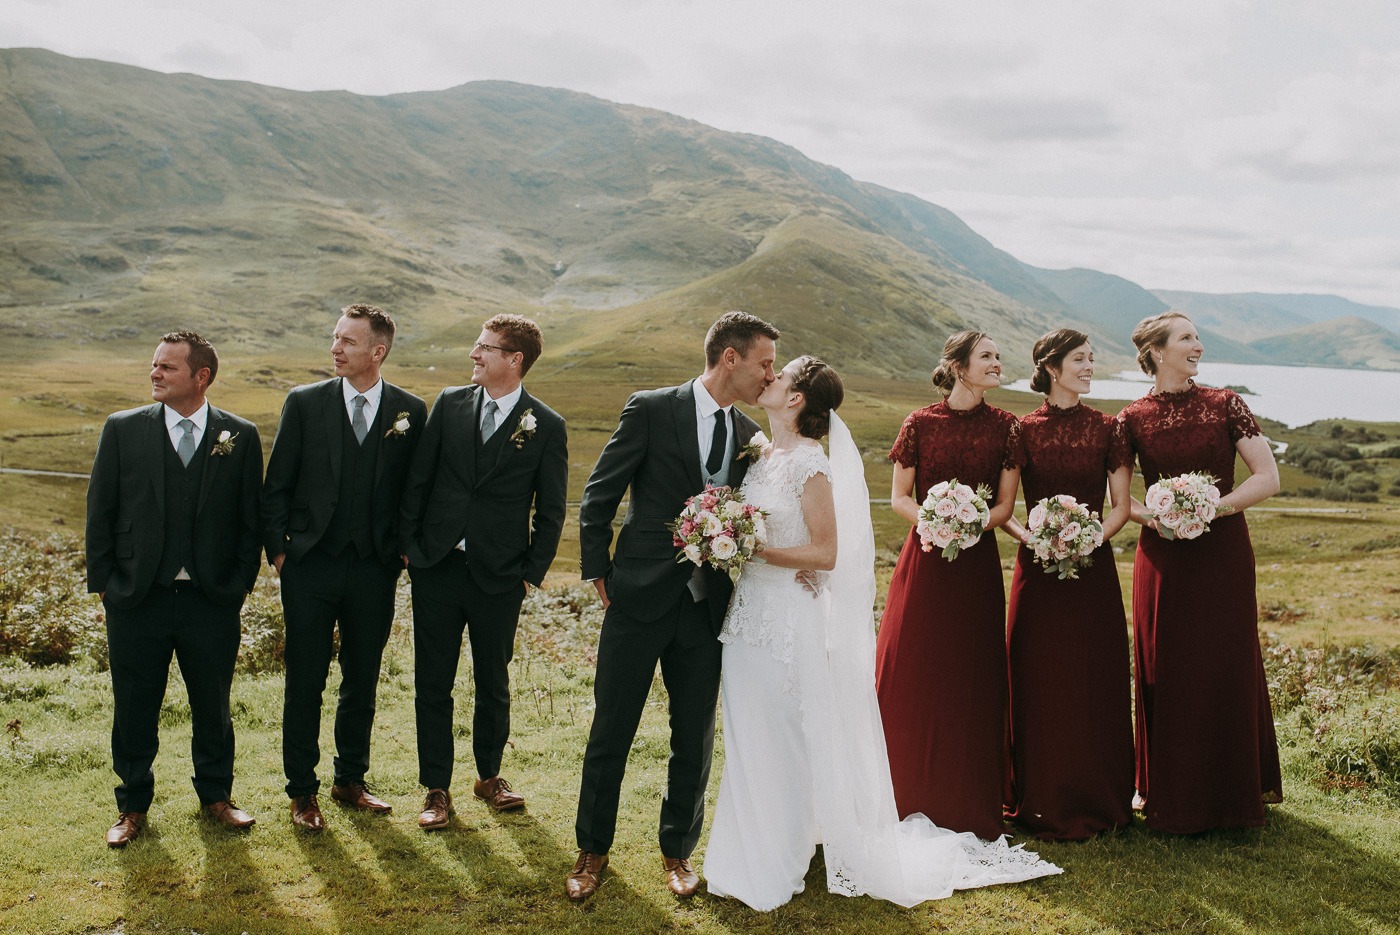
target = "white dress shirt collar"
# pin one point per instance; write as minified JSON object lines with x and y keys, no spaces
{"x":371,"y":396}
{"x":504,"y":405}
{"x":199,"y":417}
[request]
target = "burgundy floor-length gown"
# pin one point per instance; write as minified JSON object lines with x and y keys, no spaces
{"x":1206,"y":752}
{"x":1067,"y":642}
{"x":940,"y":658}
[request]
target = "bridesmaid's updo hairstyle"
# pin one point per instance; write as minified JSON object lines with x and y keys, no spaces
{"x":1050,"y":352}
{"x":957,"y":354}
{"x":822,"y":390}
{"x":1151,"y":334}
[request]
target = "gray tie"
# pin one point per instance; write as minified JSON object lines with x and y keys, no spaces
{"x":488,"y":419}
{"x":186,"y":447}
{"x":357,"y":421}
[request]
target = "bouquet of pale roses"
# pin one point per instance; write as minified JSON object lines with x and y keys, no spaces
{"x":717,"y":528}
{"x":1183,"y":506}
{"x":952,"y":517}
{"x":1063,"y":534}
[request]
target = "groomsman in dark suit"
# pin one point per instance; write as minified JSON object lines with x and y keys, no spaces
{"x":481,"y":518}
{"x":668,"y":446}
{"x":172,"y":547}
{"x":330,"y":527}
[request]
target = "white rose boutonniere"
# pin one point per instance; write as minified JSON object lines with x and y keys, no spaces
{"x":223,"y":445}
{"x":525,"y":429}
{"x":753,"y":448}
{"x":400,"y":426}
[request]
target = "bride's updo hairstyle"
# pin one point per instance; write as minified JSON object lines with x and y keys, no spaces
{"x":822,"y":390}
{"x":1050,"y":352}
{"x":957,"y":353}
{"x":1150,"y":335}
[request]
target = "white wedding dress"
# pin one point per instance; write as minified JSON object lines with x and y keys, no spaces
{"x":804,"y":750}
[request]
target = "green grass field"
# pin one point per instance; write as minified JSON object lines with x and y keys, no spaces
{"x":1328,"y":862}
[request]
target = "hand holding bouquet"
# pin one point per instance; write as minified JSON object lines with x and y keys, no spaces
{"x":717,"y":528}
{"x":952,"y":517}
{"x":1183,"y":506}
{"x":1063,"y":535}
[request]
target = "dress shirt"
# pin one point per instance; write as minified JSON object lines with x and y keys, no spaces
{"x":371,"y":395}
{"x":200,"y":418}
{"x":705,"y":409}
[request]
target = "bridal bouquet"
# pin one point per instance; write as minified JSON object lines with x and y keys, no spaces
{"x":717,"y":528}
{"x":952,"y":517}
{"x":1183,"y":506}
{"x":1063,"y":535}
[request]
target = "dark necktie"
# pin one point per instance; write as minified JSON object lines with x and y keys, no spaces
{"x":717,"y":442}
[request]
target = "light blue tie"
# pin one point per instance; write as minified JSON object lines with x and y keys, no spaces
{"x":186,"y":447}
{"x":357,"y":421}
{"x":488,"y":419}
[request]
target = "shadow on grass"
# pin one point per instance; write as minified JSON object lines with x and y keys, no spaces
{"x":1292,"y":875}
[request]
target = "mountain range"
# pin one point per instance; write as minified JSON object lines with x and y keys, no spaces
{"x":133,"y":201}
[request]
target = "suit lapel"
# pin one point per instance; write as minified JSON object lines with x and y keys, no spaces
{"x":505,"y":446}
{"x":217,"y":423}
{"x":388,"y":411}
{"x":744,"y":429}
{"x":332,"y":417}
{"x":683,"y":417}
{"x":159,"y":436}
{"x":468,"y":417}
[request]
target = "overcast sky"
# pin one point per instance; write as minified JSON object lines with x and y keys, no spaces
{"x":1212,"y":145}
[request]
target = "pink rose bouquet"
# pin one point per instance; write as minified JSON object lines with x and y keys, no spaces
{"x":1063,"y":535}
{"x":717,"y":528}
{"x":1184,"y":506}
{"x":952,"y":517}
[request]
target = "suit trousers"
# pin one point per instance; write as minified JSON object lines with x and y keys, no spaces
{"x":683,"y":642}
{"x":446,"y":601}
{"x":319,"y":590}
{"x":203,"y":638}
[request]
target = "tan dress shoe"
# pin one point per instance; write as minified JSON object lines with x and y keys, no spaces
{"x":306,"y":813}
{"x":128,"y":826}
{"x":437,"y":810}
{"x":583,"y":882}
{"x":681,"y":877}
{"x":357,"y":795}
{"x":498,"y":794}
{"x":230,"y":815}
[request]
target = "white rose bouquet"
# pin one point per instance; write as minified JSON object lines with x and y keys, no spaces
{"x":1184,"y":506}
{"x":717,"y":528}
{"x":1063,"y":534}
{"x":952,"y":517}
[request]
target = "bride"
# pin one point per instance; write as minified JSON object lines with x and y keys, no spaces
{"x":805,"y":760}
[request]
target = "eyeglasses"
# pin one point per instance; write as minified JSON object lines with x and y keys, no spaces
{"x":481,"y":346}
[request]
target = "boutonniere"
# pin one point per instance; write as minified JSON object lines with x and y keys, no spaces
{"x":753,"y":448}
{"x":223,"y":445}
{"x":525,"y":429}
{"x":400,"y":426}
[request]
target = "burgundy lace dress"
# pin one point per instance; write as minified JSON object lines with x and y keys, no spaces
{"x":1067,"y":641}
{"x":940,"y":658}
{"x":1206,"y":752}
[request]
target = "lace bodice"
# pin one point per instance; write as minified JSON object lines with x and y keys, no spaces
{"x":1194,"y":430}
{"x":973,"y":445}
{"x":1071,"y":451}
{"x":775,"y":484}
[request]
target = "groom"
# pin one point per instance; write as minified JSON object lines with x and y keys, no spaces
{"x":669,"y":444}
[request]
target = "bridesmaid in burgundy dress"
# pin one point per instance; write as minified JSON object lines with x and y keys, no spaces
{"x":1071,"y":702}
{"x":1206,"y":753}
{"x":940,"y":659}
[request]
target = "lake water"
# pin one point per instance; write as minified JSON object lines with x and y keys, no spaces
{"x":1292,"y":395}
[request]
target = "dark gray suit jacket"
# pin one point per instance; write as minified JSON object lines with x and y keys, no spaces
{"x":303,"y":472}
{"x":656,"y":452}
{"x":510,"y":511}
{"x":126,"y":508}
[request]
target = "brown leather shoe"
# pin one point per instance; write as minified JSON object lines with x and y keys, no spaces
{"x":306,"y":813}
{"x":437,"y":810}
{"x":230,"y":815}
{"x":128,"y":826}
{"x":583,"y":882}
{"x":681,"y":877}
{"x":498,"y":794}
{"x":357,"y":795}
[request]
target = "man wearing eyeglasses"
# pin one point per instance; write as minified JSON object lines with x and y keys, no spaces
{"x":481,"y":516}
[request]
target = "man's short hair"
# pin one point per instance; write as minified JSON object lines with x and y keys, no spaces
{"x":381,"y":323}
{"x":737,"y":330}
{"x":519,"y":334}
{"x":201,"y":352}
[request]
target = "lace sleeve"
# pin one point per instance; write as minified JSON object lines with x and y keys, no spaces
{"x":1014,"y":454}
{"x":1238,"y":418}
{"x":1120,"y":449}
{"x":808,"y":463}
{"x":905,"y":452}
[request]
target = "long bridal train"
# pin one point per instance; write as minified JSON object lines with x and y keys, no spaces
{"x":805,"y":757}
